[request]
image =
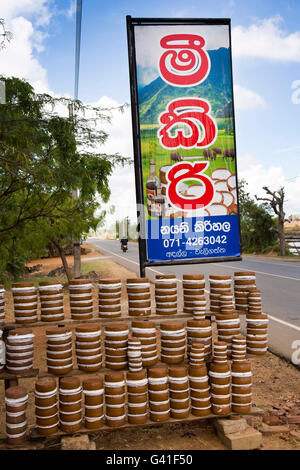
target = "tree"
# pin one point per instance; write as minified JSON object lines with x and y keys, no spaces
{"x":276,"y":202}
{"x":257,"y":226}
{"x":5,"y":36}
{"x":43,"y":158}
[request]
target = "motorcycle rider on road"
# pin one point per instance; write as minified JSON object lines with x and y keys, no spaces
{"x":124,"y":242}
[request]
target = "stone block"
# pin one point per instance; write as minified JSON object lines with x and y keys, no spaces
{"x":228,"y":426}
{"x":266,"y":429}
{"x":81,"y":442}
{"x":248,"y":439}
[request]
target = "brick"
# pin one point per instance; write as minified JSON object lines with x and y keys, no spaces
{"x":295,"y":434}
{"x":294,"y":411}
{"x":255,"y":411}
{"x":228,"y":426}
{"x":250,"y":421}
{"x":81,"y":442}
{"x":293,"y":419}
{"x":266,"y":429}
{"x":248,"y":439}
{"x":272,"y":420}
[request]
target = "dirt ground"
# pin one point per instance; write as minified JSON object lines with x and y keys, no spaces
{"x":275,"y":383}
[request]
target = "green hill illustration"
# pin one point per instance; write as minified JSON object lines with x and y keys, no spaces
{"x":154,"y":97}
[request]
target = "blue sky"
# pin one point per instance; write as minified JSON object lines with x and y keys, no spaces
{"x":266,"y":61}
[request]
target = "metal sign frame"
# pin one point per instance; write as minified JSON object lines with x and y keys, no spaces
{"x":131,"y":22}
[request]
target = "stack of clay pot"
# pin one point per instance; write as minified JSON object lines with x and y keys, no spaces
{"x":88,"y":347}
{"x":199,"y":308}
{"x":115,"y":399}
{"x":2,"y":352}
{"x":166,"y":294}
{"x":219,"y":285}
{"x":137,"y":392}
{"x":226,"y":303}
{"x":93,"y":391}
{"x":241,"y":387}
{"x":196,"y":354}
{"x":193,"y":290}
{"x":70,"y":397}
{"x":52,"y":301}
{"x":220,"y":380}
{"x":238,"y":352}
{"x":110,"y":298}
{"x":46,"y":409}
{"x":59,"y":350}
{"x":2,"y":304}
{"x":254,"y":302}
{"x":81,"y":299}
{"x":159,"y":399}
{"x":145,"y":331}
{"x":173,"y":342}
{"x":16,"y":399}
{"x":199,"y":390}
{"x":244,"y":282}
{"x":228,"y":322}
{"x":220,"y":352}
{"x":116,"y":345}
{"x":134,"y":352}
{"x":19,"y":351}
{"x":25,"y":302}
{"x":179,"y":384}
{"x":257,"y":325}
{"x":200,"y":331}
{"x":139,"y":297}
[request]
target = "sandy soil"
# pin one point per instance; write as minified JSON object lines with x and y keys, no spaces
{"x":274,"y":382}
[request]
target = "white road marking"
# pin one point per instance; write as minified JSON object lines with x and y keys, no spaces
{"x":119,"y":256}
{"x":261,"y":272}
{"x":284,"y":322}
{"x":179,"y":280}
{"x":254,"y":260}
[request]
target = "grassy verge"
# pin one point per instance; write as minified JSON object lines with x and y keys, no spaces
{"x":101,"y":268}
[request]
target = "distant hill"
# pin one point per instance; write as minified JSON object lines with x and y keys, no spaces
{"x":154,"y":97}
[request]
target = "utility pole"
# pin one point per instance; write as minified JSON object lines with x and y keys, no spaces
{"x":76,"y":243}
{"x":2,"y":92}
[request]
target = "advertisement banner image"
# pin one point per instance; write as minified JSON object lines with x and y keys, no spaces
{"x":183,"y":127}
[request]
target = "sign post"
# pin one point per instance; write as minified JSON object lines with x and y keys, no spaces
{"x":184,"y":140}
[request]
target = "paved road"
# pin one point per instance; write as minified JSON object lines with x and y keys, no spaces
{"x":278,"y":280}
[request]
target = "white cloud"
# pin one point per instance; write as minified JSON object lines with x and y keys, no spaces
{"x":39,"y":9}
{"x":72,"y":9}
{"x":122,"y":181}
{"x":246,"y":99}
{"x":266,"y":39}
{"x":257,"y":176}
{"x":17,"y":58}
{"x":26,"y":20}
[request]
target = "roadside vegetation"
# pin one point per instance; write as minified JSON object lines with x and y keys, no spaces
{"x":257,"y":225}
{"x":44,"y":157}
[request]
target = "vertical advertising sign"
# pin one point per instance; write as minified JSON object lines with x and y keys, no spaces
{"x":184,"y":140}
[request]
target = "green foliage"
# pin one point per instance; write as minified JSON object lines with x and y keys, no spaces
{"x":258,"y":232}
{"x":43,"y":158}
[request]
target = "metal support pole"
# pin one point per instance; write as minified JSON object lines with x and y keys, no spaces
{"x":76,"y":243}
